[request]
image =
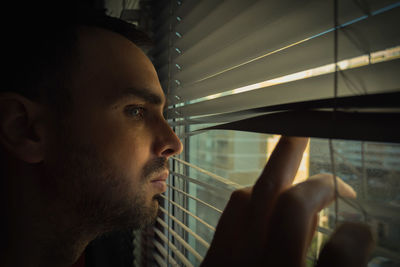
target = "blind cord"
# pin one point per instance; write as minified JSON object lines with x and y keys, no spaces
{"x":331,"y":150}
{"x":364,"y":173}
{"x":335,"y":93}
{"x":335,"y":85}
{"x":168,"y":90}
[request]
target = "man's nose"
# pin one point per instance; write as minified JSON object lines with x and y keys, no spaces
{"x":167,"y":143}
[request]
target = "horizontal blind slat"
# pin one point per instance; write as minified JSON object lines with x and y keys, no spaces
{"x":189,"y":12}
{"x":220,"y":190}
{"x":301,"y":17}
{"x":189,"y":213}
{"x":174,"y":249}
{"x":180,"y":240}
{"x":210,"y":174}
{"x":160,"y":261}
{"x":366,"y":126}
{"x":380,"y":77}
{"x":187,"y":229}
{"x":164,"y":253}
{"x":233,"y":44}
{"x":362,"y":103}
{"x":195,"y":198}
{"x":214,"y":74}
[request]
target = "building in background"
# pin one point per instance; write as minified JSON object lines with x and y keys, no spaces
{"x":373,"y":169}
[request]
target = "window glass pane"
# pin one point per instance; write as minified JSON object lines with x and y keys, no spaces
{"x":372,"y":169}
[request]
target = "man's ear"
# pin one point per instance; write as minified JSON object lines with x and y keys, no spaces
{"x":21,"y":127}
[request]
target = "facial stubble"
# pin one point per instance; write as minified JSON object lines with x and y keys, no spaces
{"x":99,"y":194}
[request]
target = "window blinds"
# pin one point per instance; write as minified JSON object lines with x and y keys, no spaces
{"x":238,"y":55}
{"x":268,"y":66}
{"x":269,"y":39}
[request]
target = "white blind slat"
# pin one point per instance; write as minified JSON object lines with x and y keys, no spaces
{"x":249,"y":35}
{"x":180,"y":240}
{"x":195,"y":198}
{"x":375,"y":78}
{"x":210,"y":174}
{"x":177,"y":252}
{"x":300,"y":17}
{"x":164,"y":253}
{"x":215,"y":74}
{"x":212,"y":188}
{"x":189,"y":213}
{"x":187,"y":229}
{"x":160,"y":261}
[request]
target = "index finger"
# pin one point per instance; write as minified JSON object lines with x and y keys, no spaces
{"x":280,"y":170}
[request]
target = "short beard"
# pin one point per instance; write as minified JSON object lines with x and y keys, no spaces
{"x":97,"y":194}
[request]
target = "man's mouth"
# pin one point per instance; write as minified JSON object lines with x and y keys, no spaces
{"x":160,"y":181}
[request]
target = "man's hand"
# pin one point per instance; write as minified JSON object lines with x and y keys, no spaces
{"x":273,"y":222}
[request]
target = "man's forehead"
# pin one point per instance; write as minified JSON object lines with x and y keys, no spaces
{"x":94,"y":42}
{"x":122,"y":70}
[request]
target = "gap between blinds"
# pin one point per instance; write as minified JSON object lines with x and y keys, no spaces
{"x":325,"y":231}
{"x":231,"y":61}
{"x":373,"y":212}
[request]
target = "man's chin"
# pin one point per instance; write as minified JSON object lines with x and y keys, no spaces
{"x":143,"y":217}
{"x":155,"y":203}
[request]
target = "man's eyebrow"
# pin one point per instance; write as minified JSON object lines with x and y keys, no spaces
{"x":142,"y":93}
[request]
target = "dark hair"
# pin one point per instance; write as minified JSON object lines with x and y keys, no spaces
{"x":41,"y":48}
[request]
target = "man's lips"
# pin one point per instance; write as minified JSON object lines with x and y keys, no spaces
{"x":163,"y":176}
{"x":159,"y":182}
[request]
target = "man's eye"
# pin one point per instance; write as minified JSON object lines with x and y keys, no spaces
{"x":135,"y":111}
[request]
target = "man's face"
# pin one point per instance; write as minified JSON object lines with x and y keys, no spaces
{"x":109,"y":157}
